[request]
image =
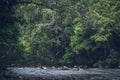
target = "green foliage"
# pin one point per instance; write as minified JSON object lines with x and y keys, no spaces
{"x":60,"y":32}
{"x":79,"y":32}
{"x":10,"y":50}
{"x":99,"y":64}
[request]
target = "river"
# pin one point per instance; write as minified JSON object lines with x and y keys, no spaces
{"x":30,"y":73}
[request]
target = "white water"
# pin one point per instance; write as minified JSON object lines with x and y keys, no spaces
{"x":82,"y":74}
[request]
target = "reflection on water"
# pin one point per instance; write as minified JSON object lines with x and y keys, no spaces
{"x":55,"y":74}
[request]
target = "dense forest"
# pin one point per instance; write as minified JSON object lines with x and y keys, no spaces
{"x":60,"y":32}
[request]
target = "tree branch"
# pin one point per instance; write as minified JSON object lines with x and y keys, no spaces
{"x":117,"y":33}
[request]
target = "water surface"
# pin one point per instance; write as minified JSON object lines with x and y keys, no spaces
{"x":58,"y":74}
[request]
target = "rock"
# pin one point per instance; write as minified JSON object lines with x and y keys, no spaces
{"x":43,"y":67}
{"x":59,"y":68}
{"x":119,"y":66}
{"x":53,"y":67}
{"x":65,"y":68}
{"x":75,"y":66}
{"x":38,"y":67}
{"x":75,"y":69}
{"x":83,"y":67}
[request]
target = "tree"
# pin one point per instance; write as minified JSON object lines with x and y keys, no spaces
{"x":9,"y":47}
